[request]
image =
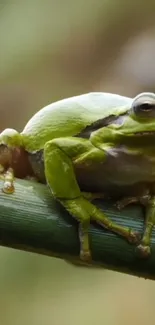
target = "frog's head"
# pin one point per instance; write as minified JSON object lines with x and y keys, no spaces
{"x":137,"y":123}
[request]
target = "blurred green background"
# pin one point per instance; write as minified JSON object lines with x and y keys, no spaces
{"x":50,"y":50}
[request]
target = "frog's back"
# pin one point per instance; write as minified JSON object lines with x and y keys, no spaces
{"x":68,"y":117}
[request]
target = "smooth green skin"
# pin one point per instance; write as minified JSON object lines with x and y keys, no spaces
{"x":68,"y":156}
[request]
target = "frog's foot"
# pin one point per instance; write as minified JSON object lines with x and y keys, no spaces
{"x":143,"y":250}
{"x":8,"y":185}
{"x":85,"y":255}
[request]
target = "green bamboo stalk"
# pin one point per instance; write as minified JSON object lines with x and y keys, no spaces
{"x":31,"y":220}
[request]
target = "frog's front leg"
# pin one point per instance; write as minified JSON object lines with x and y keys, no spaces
{"x":142,"y":199}
{"x":60,"y":156}
{"x":148,"y":201}
{"x":144,"y":247}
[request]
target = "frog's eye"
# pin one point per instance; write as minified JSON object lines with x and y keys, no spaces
{"x":144,"y":105}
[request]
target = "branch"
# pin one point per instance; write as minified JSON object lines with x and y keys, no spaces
{"x":31,"y":220}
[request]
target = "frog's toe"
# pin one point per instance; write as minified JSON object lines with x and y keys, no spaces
{"x":119,"y":205}
{"x":8,"y":186}
{"x":143,"y":250}
{"x":85,"y":256}
{"x":134,"y":237}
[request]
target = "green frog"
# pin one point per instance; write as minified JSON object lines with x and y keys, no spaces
{"x":85,"y":147}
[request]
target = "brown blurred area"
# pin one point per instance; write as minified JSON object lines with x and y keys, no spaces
{"x":55,"y":49}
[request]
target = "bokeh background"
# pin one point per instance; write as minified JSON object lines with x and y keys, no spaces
{"x":50,"y":50}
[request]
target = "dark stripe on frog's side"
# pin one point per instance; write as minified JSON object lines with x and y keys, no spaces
{"x":112,"y":119}
{"x":37,"y":162}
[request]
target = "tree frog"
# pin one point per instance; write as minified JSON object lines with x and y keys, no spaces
{"x":88,"y":146}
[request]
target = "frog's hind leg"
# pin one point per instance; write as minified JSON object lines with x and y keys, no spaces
{"x":60,"y":157}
